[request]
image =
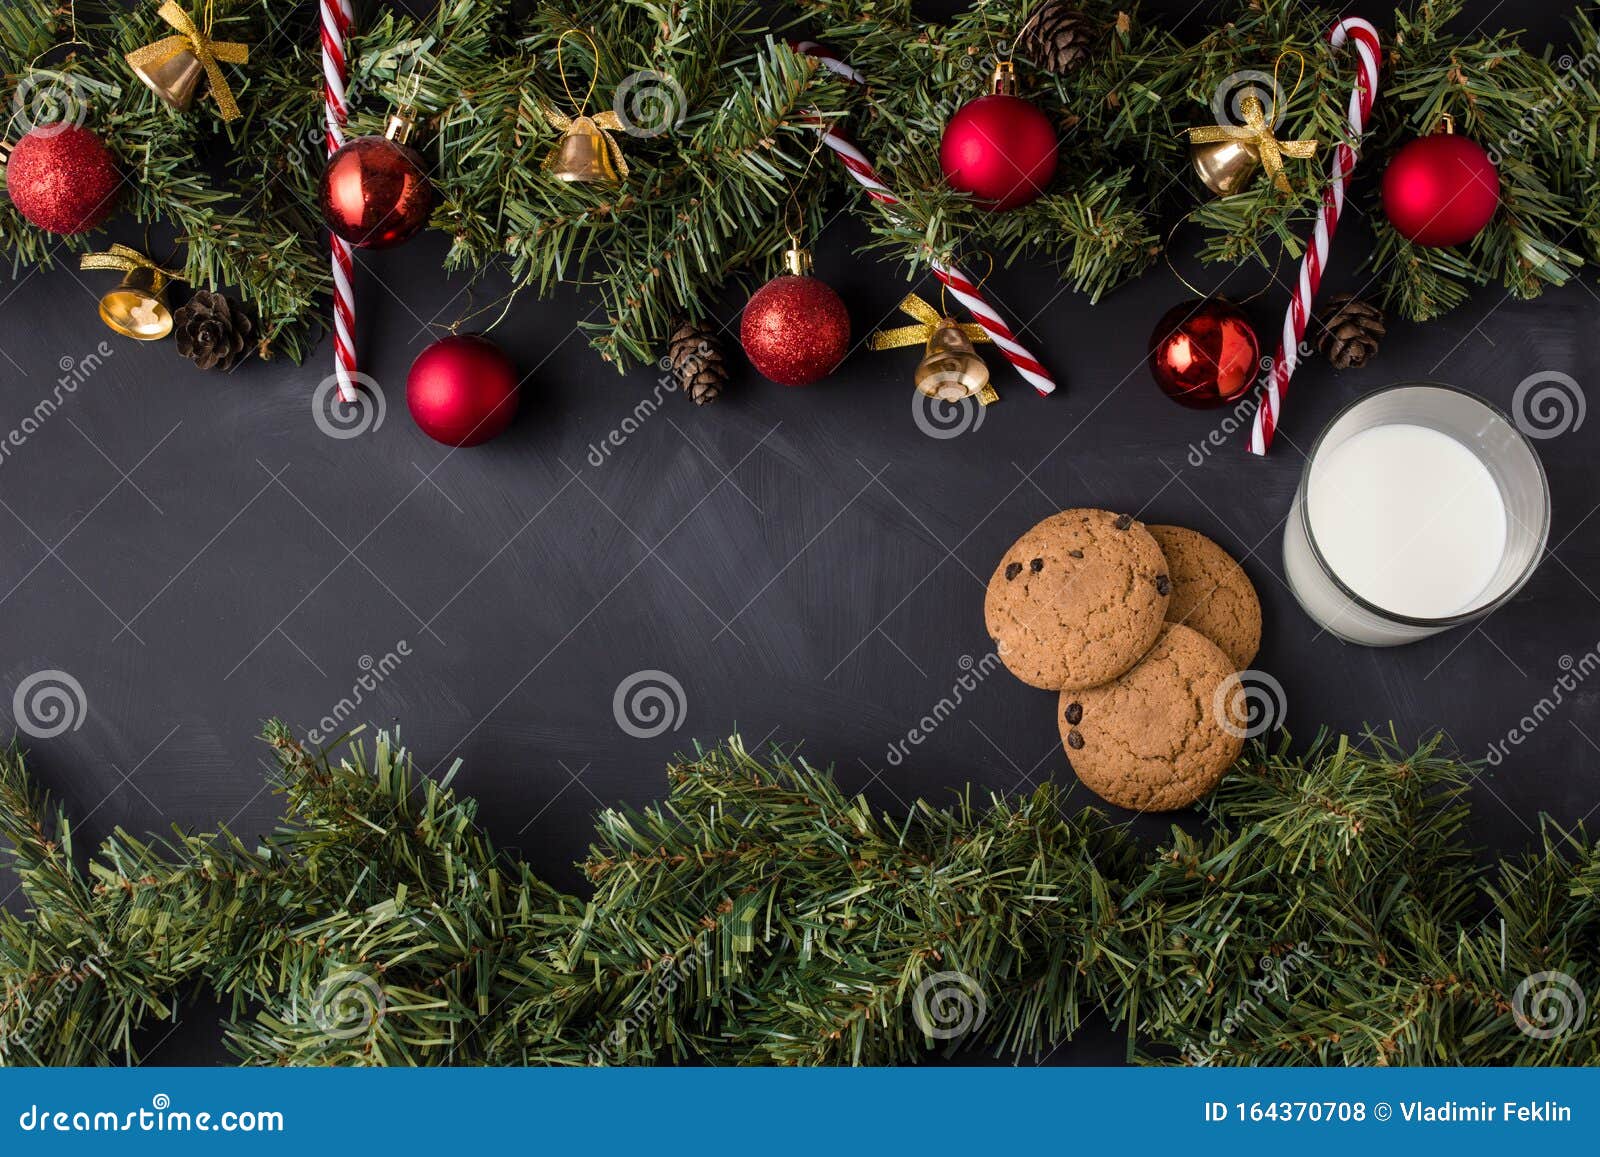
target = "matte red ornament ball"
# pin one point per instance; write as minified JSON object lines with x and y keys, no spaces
{"x":795,"y":330}
{"x":1204,"y":354}
{"x":62,"y":178}
{"x":1000,"y":149}
{"x":375,"y":193}
{"x":462,"y":390}
{"x":1441,"y":190}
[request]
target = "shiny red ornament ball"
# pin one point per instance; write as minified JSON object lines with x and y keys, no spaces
{"x":795,"y":330}
{"x":462,"y":390}
{"x":375,"y":193}
{"x":62,"y":178}
{"x":1000,"y":149}
{"x":1441,"y":190}
{"x":1204,"y":354}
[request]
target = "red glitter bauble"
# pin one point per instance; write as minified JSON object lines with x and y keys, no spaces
{"x":1204,"y":354}
{"x":1000,"y":149}
{"x":375,"y":193}
{"x":1440,"y":190}
{"x":462,"y":390}
{"x":795,"y":330}
{"x":62,"y":178}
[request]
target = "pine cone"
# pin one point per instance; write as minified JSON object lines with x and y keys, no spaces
{"x":1059,"y":37}
{"x":212,"y":331}
{"x":695,"y":357}
{"x":1348,"y":330}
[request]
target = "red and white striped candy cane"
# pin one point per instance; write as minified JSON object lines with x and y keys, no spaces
{"x":337,"y":18}
{"x":1368,"y":57}
{"x":961,"y":287}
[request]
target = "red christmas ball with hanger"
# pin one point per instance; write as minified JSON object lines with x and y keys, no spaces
{"x":795,"y":328}
{"x":999,"y":149}
{"x":62,"y":178}
{"x":1204,"y":354}
{"x":375,"y":191}
{"x":462,"y":390}
{"x":1441,"y":190}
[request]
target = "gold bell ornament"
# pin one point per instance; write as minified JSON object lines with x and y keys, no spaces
{"x":138,"y":307}
{"x":950,"y":369}
{"x":587,"y":153}
{"x":173,"y":67}
{"x":1225,"y":157}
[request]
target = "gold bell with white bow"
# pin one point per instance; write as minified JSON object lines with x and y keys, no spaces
{"x":951,"y":368}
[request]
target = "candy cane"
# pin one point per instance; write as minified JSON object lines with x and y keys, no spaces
{"x":1368,"y":51}
{"x":337,"y":18}
{"x":961,"y":287}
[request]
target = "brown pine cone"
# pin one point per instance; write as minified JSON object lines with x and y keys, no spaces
{"x":1348,"y":330}
{"x":1059,"y":37}
{"x":695,"y":357}
{"x":212,"y":331}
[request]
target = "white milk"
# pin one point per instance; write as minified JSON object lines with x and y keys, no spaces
{"x":1408,"y":518}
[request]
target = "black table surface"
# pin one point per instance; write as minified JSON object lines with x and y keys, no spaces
{"x":806,"y":564}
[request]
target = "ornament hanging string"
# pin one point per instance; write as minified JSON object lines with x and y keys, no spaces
{"x":337,"y":18}
{"x":1368,"y":51}
{"x":961,"y":287}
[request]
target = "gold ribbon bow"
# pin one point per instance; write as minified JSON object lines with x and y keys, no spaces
{"x":603,"y":125}
{"x":207,"y":51}
{"x":929,"y":320}
{"x":1257,"y":132}
{"x":125,"y":260}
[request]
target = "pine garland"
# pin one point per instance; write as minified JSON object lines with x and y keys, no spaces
{"x":713,"y":200}
{"x":1331,"y":913}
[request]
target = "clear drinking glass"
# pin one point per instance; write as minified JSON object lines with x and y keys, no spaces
{"x":1497,"y":443}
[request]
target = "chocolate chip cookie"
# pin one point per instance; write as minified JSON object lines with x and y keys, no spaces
{"x":1077,"y":599}
{"x":1210,"y":593}
{"x":1153,"y":740}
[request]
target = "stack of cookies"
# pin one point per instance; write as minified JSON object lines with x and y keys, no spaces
{"x":1140,"y":629}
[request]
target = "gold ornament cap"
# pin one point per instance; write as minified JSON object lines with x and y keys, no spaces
{"x":797,"y":260}
{"x":1004,"y":80}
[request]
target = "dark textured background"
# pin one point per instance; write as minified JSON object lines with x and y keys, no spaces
{"x":805,"y":562}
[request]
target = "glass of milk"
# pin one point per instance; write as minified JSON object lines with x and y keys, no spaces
{"x":1420,"y":507}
